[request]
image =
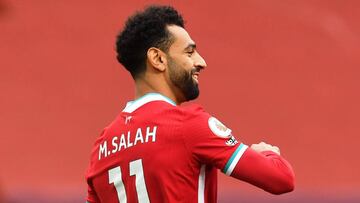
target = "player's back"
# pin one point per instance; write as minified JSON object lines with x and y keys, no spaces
{"x":141,"y":157}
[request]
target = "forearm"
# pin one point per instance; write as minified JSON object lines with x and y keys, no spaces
{"x":266,"y":170}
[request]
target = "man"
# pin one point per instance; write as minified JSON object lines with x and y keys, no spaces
{"x":157,"y":151}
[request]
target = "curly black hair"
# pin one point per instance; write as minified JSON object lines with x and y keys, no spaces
{"x":142,"y":31}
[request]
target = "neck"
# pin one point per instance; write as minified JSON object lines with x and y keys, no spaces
{"x":144,"y":86}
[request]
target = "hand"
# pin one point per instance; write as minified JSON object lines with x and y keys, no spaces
{"x":262,"y":146}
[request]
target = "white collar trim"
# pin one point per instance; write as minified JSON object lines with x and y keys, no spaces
{"x":149,"y":97}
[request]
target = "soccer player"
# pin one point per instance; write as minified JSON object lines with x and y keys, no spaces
{"x":158,"y":151}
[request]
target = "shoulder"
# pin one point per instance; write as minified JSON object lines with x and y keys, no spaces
{"x":196,"y":118}
{"x":194,"y":111}
{"x":163,"y":110}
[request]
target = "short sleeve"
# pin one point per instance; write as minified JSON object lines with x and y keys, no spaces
{"x":210,"y":141}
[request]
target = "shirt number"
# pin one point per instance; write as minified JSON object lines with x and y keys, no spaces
{"x":136,"y":169}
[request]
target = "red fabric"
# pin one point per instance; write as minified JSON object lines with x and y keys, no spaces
{"x":266,"y":170}
{"x":172,"y":159}
{"x":171,"y":164}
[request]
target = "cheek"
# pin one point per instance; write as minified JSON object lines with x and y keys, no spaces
{"x":187,"y":63}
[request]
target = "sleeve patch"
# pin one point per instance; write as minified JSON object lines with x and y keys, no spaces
{"x":218,"y":128}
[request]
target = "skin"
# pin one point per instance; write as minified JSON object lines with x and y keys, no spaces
{"x":262,"y":146}
{"x":181,"y":60}
{"x":156,"y":78}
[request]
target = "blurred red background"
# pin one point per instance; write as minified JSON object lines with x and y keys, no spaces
{"x":284,"y":72}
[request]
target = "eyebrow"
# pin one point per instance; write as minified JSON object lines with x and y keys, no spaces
{"x":190,"y":46}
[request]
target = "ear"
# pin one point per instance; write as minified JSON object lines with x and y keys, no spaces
{"x":157,"y":58}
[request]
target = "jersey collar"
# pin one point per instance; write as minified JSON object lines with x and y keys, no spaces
{"x":149,"y":97}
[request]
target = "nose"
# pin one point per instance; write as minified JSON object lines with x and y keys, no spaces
{"x":200,"y":62}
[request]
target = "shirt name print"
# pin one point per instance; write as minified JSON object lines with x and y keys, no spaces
{"x":125,"y":140}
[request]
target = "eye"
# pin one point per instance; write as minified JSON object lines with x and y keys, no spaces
{"x":190,"y":53}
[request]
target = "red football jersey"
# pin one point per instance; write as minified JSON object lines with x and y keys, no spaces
{"x":156,"y":151}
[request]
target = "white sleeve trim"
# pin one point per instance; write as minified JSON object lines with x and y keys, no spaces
{"x":234,"y":159}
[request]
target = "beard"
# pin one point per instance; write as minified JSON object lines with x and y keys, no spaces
{"x":183,"y":80}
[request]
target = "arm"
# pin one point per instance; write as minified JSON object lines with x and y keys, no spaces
{"x":91,"y":195}
{"x":261,"y":165}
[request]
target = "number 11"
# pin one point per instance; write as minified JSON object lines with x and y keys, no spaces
{"x":136,"y":169}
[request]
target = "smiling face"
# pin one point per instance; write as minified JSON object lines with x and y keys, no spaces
{"x":184,"y":64}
